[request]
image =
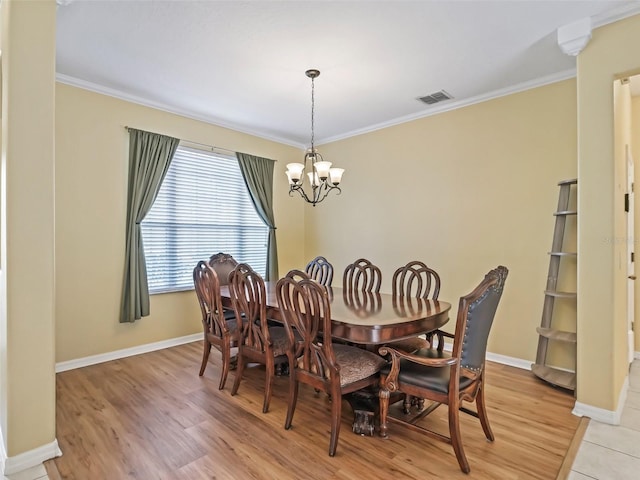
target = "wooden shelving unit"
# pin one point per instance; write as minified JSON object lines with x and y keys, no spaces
{"x":546,"y":332}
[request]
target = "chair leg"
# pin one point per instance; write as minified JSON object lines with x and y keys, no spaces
{"x":239,"y":372}
{"x":482,"y":414}
{"x":268,"y":383}
{"x":456,"y":438}
{"x":293,"y":396}
{"x":384,"y":410}
{"x":226,"y":359}
{"x":406,"y":404}
{"x":205,"y":356}
{"x":336,"y":417}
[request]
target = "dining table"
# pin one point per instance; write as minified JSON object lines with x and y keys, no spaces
{"x":369,"y":319}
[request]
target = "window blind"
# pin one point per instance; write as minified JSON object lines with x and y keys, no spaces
{"x":203,"y":207}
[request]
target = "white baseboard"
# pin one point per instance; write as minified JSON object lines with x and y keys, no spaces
{"x":31,"y":458}
{"x":126,"y":352}
{"x":511,"y":361}
{"x":600,"y":414}
{"x":502,"y":359}
{"x":636,"y":355}
{"x":3,"y":453}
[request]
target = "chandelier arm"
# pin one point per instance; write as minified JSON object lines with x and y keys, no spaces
{"x":326,"y":190}
{"x":300,"y":190}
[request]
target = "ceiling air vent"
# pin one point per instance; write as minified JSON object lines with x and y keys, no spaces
{"x":437,"y":97}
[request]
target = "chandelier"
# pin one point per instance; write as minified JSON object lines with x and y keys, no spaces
{"x":322,"y":178}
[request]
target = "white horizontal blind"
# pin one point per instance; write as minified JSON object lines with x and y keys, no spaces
{"x":203,"y":208}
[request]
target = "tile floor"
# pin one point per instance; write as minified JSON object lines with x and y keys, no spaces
{"x":35,"y":473}
{"x":613,"y":451}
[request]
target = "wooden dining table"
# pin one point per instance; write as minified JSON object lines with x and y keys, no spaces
{"x":368,"y":319}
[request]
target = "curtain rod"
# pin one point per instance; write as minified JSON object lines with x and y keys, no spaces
{"x":208,"y":147}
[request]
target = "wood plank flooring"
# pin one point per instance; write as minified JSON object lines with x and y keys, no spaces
{"x":151,"y":417}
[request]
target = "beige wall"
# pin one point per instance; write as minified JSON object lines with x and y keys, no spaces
{"x":27,"y":379}
{"x":622,"y":137}
{"x":463,"y":191}
{"x":602,"y":352}
{"x":635,"y":151}
{"x":91,"y":196}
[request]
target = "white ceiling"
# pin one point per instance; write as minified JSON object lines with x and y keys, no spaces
{"x":241,"y":64}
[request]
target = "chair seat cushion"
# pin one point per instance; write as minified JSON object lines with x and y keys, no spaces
{"x":431,"y":378}
{"x":356,"y":363}
{"x":229,"y":314}
{"x":232,"y":325}
{"x":410,"y":345}
{"x":234,"y":333}
{"x":279,"y":340}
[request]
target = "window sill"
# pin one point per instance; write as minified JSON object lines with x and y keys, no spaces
{"x":171,"y":290}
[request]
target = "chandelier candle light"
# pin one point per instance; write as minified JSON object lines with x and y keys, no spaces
{"x":322,"y":177}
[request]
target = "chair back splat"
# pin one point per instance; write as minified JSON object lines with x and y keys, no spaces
{"x":416,"y":280}
{"x":434,"y":375}
{"x":362,"y":275}
{"x":223,"y":263}
{"x":320,"y":270}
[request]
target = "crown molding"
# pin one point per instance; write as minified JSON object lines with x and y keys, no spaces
{"x":616,"y":14}
{"x":448,"y":106}
{"x":127,"y":97}
{"x":573,"y":37}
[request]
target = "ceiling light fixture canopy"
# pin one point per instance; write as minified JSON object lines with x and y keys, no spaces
{"x":322,"y":177}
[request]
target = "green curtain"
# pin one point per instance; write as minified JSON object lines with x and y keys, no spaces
{"x":149,"y":157}
{"x":258,"y":177}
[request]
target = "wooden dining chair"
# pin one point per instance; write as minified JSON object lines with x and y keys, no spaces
{"x":448,"y":380}
{"x":223,"y":264}
{"x":260,"y":342}
{"x":314,"y":359}
{"x":410,"y":283}
{"x":219,"y":331}
{"x":416,"y":280}
{"x":362,"y":275}
{"x":320,"y":270}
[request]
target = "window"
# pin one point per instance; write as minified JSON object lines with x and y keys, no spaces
{"x":203,"y":208}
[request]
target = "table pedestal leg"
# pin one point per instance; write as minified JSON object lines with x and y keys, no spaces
{"x":365,"y":410}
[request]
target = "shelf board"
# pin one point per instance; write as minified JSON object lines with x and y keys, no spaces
{"x":566,"y":212}
{"x":559,"y":335}
{"x":561,"y":254}
{"x":557,"y":294}
{"x":559,"y":378}
{"x":571,"y":181}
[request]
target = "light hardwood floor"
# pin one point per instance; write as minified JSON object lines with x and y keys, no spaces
{"x":151,"y":417}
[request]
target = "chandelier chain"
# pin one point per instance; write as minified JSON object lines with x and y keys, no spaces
{"x":313,"y":104}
